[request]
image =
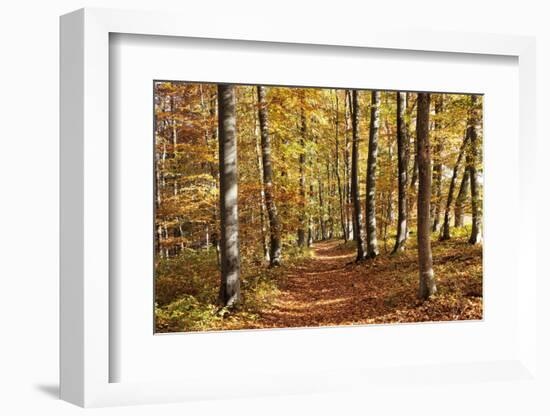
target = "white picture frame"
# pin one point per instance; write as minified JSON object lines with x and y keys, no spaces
{"x":85,"y":266}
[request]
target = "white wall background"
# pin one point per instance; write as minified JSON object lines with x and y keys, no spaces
{"x":29,"y":182}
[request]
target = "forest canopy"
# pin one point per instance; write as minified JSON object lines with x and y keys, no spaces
{"x":285,"y":206}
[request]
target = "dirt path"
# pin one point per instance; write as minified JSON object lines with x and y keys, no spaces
{"x":319,"y":291}
{"x":331,"y":289}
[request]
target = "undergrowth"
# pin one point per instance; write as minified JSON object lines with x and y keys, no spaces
{"x":186,"y":290}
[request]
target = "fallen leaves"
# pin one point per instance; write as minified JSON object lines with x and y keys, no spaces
{"x":330,"y":289}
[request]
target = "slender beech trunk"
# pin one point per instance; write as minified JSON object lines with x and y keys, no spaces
{"x":265,"y":243}
{"x":390,"y":216}
{"x":311,"y":230}
{"x":337,"y":172}
{"x":214,"y":235}
{"x":414,"y":174}
{"x":437,"y":169}
{"x":330,"y":199}
{"x":230,"y":291}
{"x":438,"y":190}
{"x":347,"y":172}
{"x":321,"y":198}
{"x":174,"y":128}
{"x":274,"y":225}
{"x":302,"y":160}
{"x":372,"y":242}
{"x":167,"y":130}
{"x":472,"y":161}
{"x":414,"y":171}
{"x":461,"y":198}
{"x":446,"y":229}
{"x":175,"y":227}
{"x":357,"y":214}
{"x":320,"y":189}
{"x":403,"y":167}
{"x":427,"y":285}
{"x":166,"y":236}
{"x":158,"y":199}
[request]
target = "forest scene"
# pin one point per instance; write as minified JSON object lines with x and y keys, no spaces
{"x":280,"y":207}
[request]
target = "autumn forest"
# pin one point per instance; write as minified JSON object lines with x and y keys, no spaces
{"x":281,"y":207}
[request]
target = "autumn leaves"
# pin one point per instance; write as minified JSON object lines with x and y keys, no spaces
{"x":255,"y":172}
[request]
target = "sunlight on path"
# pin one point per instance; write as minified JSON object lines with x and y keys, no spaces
{"x":331,"y":289}
{"x":317,"y":290}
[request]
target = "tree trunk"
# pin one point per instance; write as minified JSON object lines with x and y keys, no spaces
{"x":166,"y":236}
{"x":330,"y":200}
{"x":357,"y":214}
{"x":230,"y":291}
{"x":372,"y":243}
{"x":413,"y":183}
{"x":214,"y":236}
{"x":403,"y":166}
{"x":427,"y":285}
{"x":389,"y":216}
{"x":350,"y":227}
{"x":274,"y":225}
{"x":446,"y":230}
{"x":265,"y":243}
{"x":312,"y":230}
{"x":320,"y":189}
{"x":472,"y":161}
{"x":461,"y":198}
{"x":302,"y":160}
{"x":337,"y":172}
{"x":158,"y":200}
{"x":414,"y":171}
{"x":437,"y":170}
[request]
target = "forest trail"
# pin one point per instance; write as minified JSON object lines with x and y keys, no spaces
{"x":330,"y":289}
{"x":319,"y":290}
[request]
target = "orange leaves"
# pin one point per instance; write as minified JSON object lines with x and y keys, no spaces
{"x":330,"y":289}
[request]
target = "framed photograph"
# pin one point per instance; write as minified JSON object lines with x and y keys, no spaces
{"x":292,"y":211}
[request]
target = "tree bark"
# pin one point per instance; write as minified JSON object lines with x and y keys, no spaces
{"x":446,"y":230}
{"x":413,"y":175}
{"x":427,"y":286}
{"x":403,"y":167}
{"x":265,"y":243}
{"x":472,"y":161}
{"x":320,"y":189}
{"x":413,"y":184}
{"x":372,"y":242}
{"x":357,"y":214}
{"x":330,"y":199}
{"x":389,"y":216}
{"x":437,"y":170}
{"x":230,"y":291}
{"x":337,"y":172}
{"x":461,"y":198}
{"x":302,"y":160}
{"x":347,"y":168}
{"x":158,"y":199}
{"x":274,"y":225}
{"x":214,"y":237}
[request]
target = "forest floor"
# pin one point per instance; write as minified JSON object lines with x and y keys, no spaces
{"x":326,"y":287}
{"x":330,"y":288}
